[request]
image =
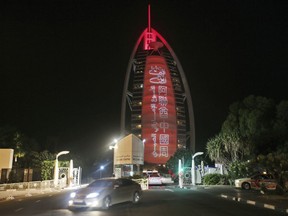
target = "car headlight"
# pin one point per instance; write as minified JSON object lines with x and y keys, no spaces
{"x":73,"y":194}
{"x":92,"y":195}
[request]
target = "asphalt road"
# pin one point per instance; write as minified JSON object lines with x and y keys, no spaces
{"x":158,"y":202}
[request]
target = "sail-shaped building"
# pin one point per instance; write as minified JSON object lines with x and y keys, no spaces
{"x":156,"y":104}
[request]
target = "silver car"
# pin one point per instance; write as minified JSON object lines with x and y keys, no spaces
{"x":104,"y":193}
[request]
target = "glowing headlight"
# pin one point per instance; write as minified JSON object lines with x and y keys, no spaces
{"x":92,"y":195}
{"x":73,"y":194}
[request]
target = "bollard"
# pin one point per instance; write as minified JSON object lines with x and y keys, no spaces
{"x":10,"y":196}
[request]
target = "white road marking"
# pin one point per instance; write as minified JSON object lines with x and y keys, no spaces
{"x":251,"y":202}
{"x":18,"y":209}
{"x":269,"y":206}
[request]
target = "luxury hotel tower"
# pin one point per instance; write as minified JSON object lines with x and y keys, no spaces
{"x":156,"y":102}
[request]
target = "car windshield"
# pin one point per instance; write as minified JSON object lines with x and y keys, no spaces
{"x":154,"y":175}
{"x":101,"y":183}
{"x":262,"y":176}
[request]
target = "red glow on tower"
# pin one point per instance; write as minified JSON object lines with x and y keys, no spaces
{"x":149,"y":35}
{"x":159,"y":127}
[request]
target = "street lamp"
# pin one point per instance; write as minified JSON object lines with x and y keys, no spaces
{"x":143,"y":141}
{"x":180,"y":173}
{"x":115,"y":141}
{"x":56,"y":169}
{"x":193,"y":167}
{"x":114,"y":146}
{"x":101,"y":168}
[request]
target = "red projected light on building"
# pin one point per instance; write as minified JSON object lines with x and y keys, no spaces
{"x":149,"y":35}
{"x":159,"y":127}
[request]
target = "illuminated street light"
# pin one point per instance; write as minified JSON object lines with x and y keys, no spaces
{"x":114,"y":146}
{"x":193,"y":167}
{"x":56,"y":169}
{"x":101,"y":168}
{"x":180,"y":173}
{"x":143,"y":141}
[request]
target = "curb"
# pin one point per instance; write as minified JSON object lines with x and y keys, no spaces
{"x":11,"y":194}
{"x":255,"y":203}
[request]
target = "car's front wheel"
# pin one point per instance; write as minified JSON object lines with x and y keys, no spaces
{"x":106,"y":203}
{"x":246,"y":186}
{"x":136,"y":197}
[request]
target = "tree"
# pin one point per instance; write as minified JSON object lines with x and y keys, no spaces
{"x":253,"y":120}
{"x":22,"y":145}
{"x":253,"y":136}
{"x":10,"y":137}
{"x":226,"y":148}
{"x":181,"y":154}
{"x":281,"y":122}
{"x":47,"y":169}
{"x":276,"y":163}
{"x":44,"y":161}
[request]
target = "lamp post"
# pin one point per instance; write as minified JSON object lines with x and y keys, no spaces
{"x":114,"y":146}
{"x":56,"y":169}
{"x":143,"y":141}
{"x":180,"y":173}
{"x":193,"y":167}
{"x":101,"y":168}
{"x":115,"y":141}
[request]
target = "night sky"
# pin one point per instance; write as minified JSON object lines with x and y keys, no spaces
{"x":63,"y":62}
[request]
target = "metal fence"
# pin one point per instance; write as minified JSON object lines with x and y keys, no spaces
{"x":143,"y":182}
{"x":39,"y":185}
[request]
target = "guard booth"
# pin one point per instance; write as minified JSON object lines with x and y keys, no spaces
{"x":128,"y":156}
{"x":6,"y":163}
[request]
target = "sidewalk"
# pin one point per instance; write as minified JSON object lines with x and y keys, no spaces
{"x":13,"y":193}
{"x":275,"y":202}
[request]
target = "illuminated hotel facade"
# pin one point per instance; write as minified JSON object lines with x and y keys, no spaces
{"x":156,"y":103}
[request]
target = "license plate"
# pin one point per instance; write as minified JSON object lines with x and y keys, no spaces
{"x":78,"y":201}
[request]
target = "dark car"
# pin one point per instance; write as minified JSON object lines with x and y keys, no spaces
{"x":104,"y":193}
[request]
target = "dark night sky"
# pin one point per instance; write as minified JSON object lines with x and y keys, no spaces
{"x":63,"y":63}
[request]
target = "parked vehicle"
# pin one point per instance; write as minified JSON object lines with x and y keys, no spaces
{"x":166,"y":179}
{"x":256,"y":182}
{"x":154,"y":179}
{"x":104,"y":193}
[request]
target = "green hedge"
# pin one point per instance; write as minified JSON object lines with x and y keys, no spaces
{"x":215,"y":179}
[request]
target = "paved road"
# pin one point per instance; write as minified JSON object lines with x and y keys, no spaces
{"x":155,"y":198}
{"x":275,"y":202}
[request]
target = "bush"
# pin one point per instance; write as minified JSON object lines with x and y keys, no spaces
{"x":215,"y":179}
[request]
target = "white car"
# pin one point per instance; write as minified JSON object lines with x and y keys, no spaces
{"x":154,"y":179}
{"x":166,"y":179}
{"x":256,"y":182}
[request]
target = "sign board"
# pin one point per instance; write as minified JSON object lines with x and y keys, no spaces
{"x":129,"y":150}
{"x":6,"y":158}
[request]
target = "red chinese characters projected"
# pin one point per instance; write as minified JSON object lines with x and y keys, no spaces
{"x":159,"y":127}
